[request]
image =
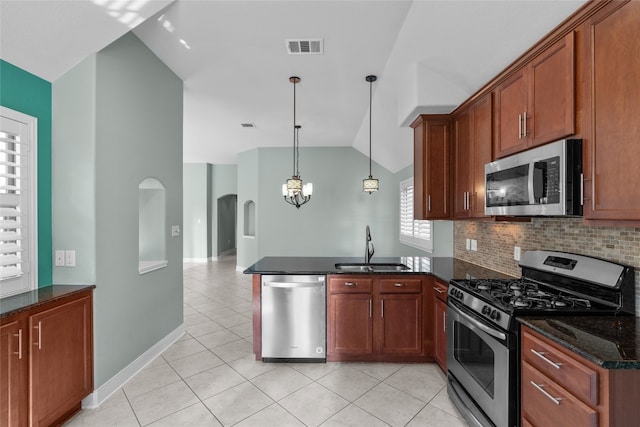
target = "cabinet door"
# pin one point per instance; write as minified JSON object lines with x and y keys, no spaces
{"x":440,"y":333}
{"x":349,"y":323}
{"x":481,"y":153}
{"x":438,"y":160}
{"x":462,"y":156}
{"x":61,"y":360}
{"x":13,"y":402}
{"x":611,"y":155}
{"x":551,"y":96}
{"x":511,"y":103}
{"x":400,"y":322}
{"x":431,"y":167}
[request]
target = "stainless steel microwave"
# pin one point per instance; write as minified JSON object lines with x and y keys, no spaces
{"x":542,"y":181}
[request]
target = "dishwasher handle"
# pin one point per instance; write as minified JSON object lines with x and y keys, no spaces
{"x":293,"y":284}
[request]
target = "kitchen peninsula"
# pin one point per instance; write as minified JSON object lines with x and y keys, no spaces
{"x":384,"y":315}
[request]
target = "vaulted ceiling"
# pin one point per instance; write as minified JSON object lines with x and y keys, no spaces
{"x":429,"y":56}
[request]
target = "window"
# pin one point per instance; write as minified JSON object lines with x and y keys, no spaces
{"x":18,"y":221}
{"x":413,"y":232}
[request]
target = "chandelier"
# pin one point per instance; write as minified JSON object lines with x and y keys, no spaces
{"x":293,"y":191}
{"x":370,"y":184}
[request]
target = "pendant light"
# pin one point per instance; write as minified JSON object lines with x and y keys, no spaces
{"x":293,"y":191}
{"x":370,"y":184}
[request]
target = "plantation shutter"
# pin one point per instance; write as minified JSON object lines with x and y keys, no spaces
{"x":415,"y":233}
{"x":14,"y":205}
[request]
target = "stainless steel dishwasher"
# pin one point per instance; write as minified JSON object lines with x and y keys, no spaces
{"x":294,"y":311}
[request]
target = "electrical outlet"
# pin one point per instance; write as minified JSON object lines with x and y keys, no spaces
{"x":59,"y":259}
{"x":70,"y":258}
{"x":175,"y":230}
{"x":468,"y":245}
{"x":474,"y":245}
{"x":516,"y":253}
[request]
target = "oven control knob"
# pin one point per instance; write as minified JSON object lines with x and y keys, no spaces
{"x":497,"y":315}
{"x":485,"y":310}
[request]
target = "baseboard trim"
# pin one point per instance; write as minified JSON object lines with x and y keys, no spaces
{"x":116,"y":382}
{"x":196,"y":259}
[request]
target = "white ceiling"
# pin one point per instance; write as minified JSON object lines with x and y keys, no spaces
{"x":429,"y":56}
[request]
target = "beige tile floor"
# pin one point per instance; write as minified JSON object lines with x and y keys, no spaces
{"x":210,"y":378}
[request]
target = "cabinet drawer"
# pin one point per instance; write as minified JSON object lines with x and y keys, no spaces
{"x":400,"y":285}
{"x":545,"y":403}
{"x":440,"y":290}
{"x":350,"y":284}
{"x":567,"y":371}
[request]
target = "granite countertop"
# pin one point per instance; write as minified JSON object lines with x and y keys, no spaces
{"x":17,"y":303}
{"x":445,"y":268}
{"x":612,"y":342}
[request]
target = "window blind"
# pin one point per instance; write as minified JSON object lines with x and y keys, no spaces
{"x":11,"y":248}
{"x":413,"y":232}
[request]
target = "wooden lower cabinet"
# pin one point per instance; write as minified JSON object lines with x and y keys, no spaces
{"x":350,"y":330}
{"x":13,"y":374}
{"x":46,"y":365}
{"x":558,"y":387}
{"x":377,"y":318}
{"x":440,"y":323}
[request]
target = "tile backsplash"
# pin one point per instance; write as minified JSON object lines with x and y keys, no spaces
{"x":496,"y":241}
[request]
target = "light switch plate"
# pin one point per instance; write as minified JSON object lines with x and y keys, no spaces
{"x":59,"y":259}
{"x":70,"y":258}
{"x":516,"y":253}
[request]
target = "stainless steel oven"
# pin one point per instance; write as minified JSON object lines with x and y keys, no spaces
{"x":483,"y":333}
{"x":482,"y":368}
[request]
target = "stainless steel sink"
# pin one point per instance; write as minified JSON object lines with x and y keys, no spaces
{"x":371,"y":267}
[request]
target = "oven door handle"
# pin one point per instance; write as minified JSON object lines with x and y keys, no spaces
{"x":496,"y":334}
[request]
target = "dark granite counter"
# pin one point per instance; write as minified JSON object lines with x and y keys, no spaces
{"x":612,"y":342}
{"x":17,"y":303}
{"x":445,"y":268}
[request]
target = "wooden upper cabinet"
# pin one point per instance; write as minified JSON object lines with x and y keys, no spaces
{"x":535,"y":105}
{"x":431,"y":167}
{"x":511,"y":104}
{"x":612,"y":88}
{"x":472,"y":150}
{"x":462,"y":164}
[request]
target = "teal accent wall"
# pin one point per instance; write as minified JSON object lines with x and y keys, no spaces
{"x":130,"y":126}
{"x":29,"y":94}
{"x":333,"y":222}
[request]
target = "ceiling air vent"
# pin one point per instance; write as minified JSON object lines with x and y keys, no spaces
{"x":247,"y":125}
{"x":304,"y":46}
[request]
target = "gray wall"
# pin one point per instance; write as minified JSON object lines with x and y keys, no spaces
{"x":73,"y":170}
{"x":131,"y":130}
{"x":206,"y":187}
{"x":196,"y":212}
{"x":333,"y":222}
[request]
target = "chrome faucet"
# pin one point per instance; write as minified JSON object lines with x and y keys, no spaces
{"x":369,"y":249}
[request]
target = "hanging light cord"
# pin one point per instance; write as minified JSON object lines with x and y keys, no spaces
{"x":370,"y":112}
{"x":295,"y":148}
